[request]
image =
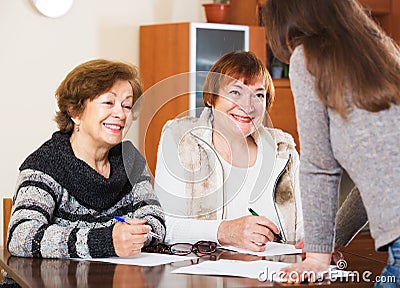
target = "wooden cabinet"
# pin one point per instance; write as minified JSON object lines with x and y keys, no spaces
{"x":170,"y":51}
{"x":245,"y":12}
{"x":282,"y":113}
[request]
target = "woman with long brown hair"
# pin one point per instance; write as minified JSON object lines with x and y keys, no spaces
{"x":345,"y":78}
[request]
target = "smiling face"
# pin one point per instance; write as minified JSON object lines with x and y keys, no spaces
{"x":106,"y":119}
{"x":240,"y":108}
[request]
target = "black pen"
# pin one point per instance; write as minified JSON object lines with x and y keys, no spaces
{"x":277,"y":237}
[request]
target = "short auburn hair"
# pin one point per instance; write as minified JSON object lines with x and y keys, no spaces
{"x":87,"y":81}
{"x":237,"y":65}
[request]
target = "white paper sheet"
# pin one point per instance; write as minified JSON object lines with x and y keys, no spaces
{"x":143,"y":259}
{"x":271,"y":249}
{"x":262,"y":270}
{"x":248,"y":269}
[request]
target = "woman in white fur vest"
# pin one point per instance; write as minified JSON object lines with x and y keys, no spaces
{"x":211,"y":169}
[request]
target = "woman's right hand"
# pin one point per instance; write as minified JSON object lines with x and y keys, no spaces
{"x":128,"y":239}
{"x":247,"y":232}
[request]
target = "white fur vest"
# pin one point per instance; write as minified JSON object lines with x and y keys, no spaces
{"x":203,"y":174}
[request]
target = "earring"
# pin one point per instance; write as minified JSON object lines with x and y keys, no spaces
{"x":77,"y":123}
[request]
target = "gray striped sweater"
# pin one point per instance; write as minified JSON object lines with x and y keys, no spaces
{"x":64,"y":208}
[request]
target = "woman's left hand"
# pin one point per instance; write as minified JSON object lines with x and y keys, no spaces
{"x":336,"y":254}
{"x":308,"y":270}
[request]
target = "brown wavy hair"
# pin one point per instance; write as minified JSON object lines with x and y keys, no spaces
{"x":344,"y":49}
{"x":236,"y":64}
{"x":87,"y":81}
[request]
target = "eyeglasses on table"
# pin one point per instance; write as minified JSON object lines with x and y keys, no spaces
{"x":199,"y":248}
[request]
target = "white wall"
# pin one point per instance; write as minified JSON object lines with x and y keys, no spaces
{"x":37,"y":52}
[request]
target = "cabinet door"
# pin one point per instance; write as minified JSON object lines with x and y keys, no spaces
{"x":164,"y":52}
{"x":257,"y":42}
{"x":283,"y":114}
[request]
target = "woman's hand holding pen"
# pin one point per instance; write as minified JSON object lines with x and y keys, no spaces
{"x":247,"y":232}
{"x":129,"y":239}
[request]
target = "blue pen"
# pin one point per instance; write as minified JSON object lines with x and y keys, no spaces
{"x":152,"y":234}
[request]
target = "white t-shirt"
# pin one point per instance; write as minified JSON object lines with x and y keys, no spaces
{"x":238,"y":184}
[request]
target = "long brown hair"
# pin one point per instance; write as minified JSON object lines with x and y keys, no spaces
{"x":344,"y":49}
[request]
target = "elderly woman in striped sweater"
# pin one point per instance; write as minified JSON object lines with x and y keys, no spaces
{"x":70,"y":189}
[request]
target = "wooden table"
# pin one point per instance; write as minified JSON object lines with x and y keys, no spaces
{"x":29,"y":272}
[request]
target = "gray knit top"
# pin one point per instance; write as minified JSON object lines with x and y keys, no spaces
{"x":64,"y":208}
{"x":366,"y":145}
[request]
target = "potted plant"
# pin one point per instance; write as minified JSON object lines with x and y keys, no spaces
{"x":216,"y":12}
